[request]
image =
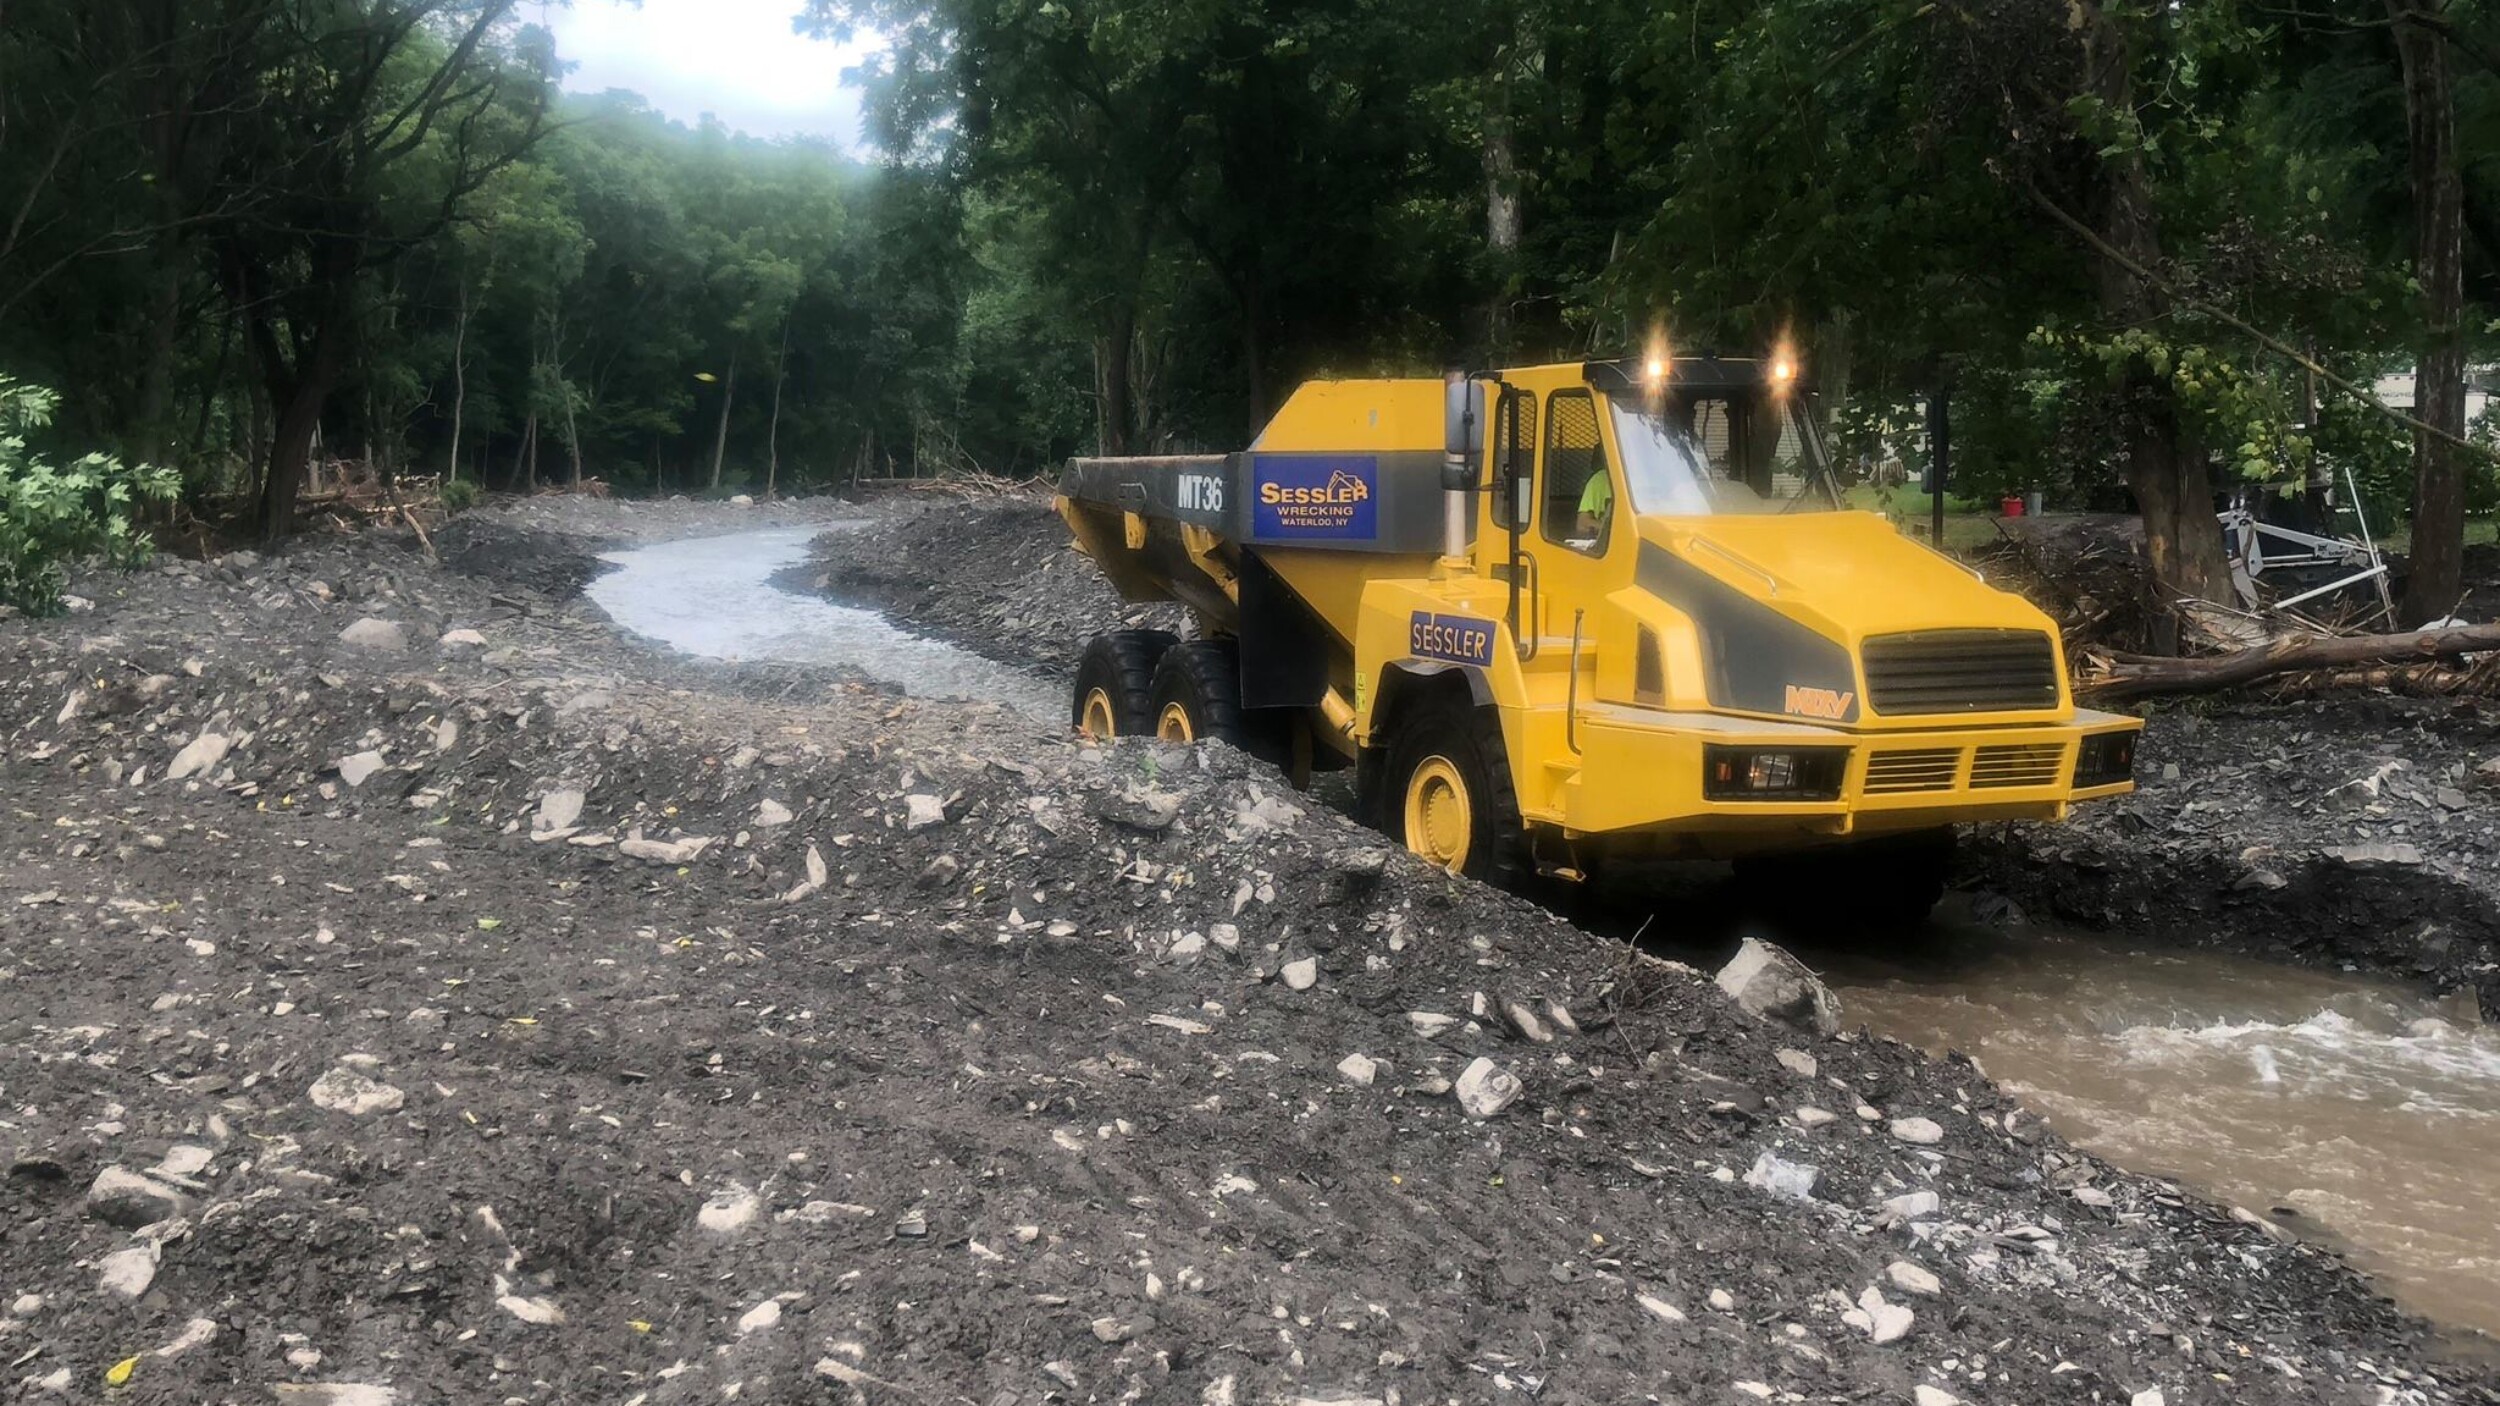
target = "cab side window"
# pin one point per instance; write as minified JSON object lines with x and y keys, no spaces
{"x":1513,"y":423}
{"x":1580,"y":497}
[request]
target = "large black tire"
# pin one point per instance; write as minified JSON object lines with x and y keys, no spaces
{"x":1197,"y":694}
{"x":1885,"y":885}
{"x":1114,"y":694}
{"x":1444,"y":758}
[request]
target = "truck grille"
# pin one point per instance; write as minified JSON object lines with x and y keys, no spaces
{"x":2024,"y":765}
{"x":1897,"y":773}
{"x":1960,"y":671}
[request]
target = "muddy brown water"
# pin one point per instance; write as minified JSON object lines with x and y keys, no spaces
{"x":2350,"y":1111}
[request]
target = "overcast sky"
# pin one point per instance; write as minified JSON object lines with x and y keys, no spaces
{"x":736,"y":59}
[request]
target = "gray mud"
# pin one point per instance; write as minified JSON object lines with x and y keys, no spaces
{"x":547,"y":1019}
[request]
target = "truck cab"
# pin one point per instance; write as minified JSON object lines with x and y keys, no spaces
{"x":1558,"y":616}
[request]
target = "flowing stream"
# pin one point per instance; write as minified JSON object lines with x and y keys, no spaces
{"x":714,"y":597}
{"x":2351,"y":1111}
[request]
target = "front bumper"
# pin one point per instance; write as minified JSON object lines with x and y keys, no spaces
{"x":1641,"y":771}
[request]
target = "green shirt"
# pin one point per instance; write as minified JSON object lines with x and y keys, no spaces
{"x":1598,"y":498}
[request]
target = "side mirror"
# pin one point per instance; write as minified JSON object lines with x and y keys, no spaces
{"x":1463,"y":415}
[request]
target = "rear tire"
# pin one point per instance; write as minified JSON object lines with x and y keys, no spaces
{"x":1886,"y":885}
{"x":1444,"y":791}
{"x":1197,"y":694}
{"x":1115,"y":683}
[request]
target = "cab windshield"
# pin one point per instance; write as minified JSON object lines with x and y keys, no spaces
{"x":1699,"y":454}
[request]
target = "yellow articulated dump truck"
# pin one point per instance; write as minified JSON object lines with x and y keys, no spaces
{"x":1559,"y":617}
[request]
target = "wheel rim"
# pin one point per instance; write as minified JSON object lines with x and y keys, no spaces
{"x":1100,"y":719}
{"x":1173,"y":724}
{"x":1440,"y":815}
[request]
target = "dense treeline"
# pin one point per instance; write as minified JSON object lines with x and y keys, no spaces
{"x":245,"y":234}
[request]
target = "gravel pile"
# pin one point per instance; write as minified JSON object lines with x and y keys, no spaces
{"x":484,"y":1009}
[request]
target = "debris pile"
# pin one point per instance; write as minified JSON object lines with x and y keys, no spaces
{"x":652,"y":1033}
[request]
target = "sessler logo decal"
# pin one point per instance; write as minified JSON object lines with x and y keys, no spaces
{"x":1321,"y":497}
{"x":1830,"y":704}
{"x":1452,"y":637}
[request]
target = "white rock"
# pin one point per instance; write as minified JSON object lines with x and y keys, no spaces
{"x":760,"y":1317}
{"x":1659,"y":1308}
{"x":200,"y":757}
{"x":1914,"y":1279}
{"x":2150,"y":1396}
{"x":730,"y":1209}
{"x":1886,"y":1322}
{"x":346,"y":1091}
{"x":334,"y":1394}
{"x":1429,"y":1023}
{"x":199,"y":1332}
{"x":123,"y":1197}
{"x":1358,"y":1069}
{"x":1770,"y":983}
{"x":559,"y":809}
{"x":921,"y":812}
{"x":1723,"y":1301}
{"x":1301,"y":974}
{"x":184,"y":1160}
{"x":127,"y":1272}
{"x":358,"y":768}
{"x":544,"y":1313}
{"x":1781,"y":1177}
{"x":1915,"y":1205}
{"x":1920,"y":1132}
{"x":463,"y":639}
{"x":741,"y":500}
{"x":1798,"y":1062}
{"x":1925,"y":1395}
{"x":2093,"y":1196}
{"x":1808,"y":1115}
{"x":770,"y":813}
{"x":26,"y":1306}
{"x":380,"y":636}
{"x":1485,"y":1089}
{"x":684,"y":851}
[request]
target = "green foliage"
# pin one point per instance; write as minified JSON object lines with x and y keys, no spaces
{"x":52,"y":513}
{"x":459,"y":495}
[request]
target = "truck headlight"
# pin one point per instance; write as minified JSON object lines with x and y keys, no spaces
{"x":2105,"y":759}
{"x":1773,"y":773}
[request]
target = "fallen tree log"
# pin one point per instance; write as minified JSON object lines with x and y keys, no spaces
{"x":2140,"y":676}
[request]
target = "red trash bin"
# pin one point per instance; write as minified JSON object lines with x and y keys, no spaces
{"x":2011,"y":505}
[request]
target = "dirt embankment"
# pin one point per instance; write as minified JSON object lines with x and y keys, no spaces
{"x":2361,"y":833}
{"x":401,"y":1015}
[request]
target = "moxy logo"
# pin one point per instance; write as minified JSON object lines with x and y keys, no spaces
{"x":1827,"y":703}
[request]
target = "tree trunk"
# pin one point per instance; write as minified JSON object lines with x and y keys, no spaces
{"x":1111,"y":369}
{"x":2434,"y":585}
{"x":2164,"y":466}
{"x":720,"y":436}
{"x":525,"y":457}
{"x":1253,"y":353}
{"x":1501,"y":204}
{"x":459,"y":378}
{"x":772,"y":433}
{"x":2132,"y":676}
{"x":572,"y":427}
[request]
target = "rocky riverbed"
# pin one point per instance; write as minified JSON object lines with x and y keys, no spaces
{"x":2362,"y":833}
{"x":414,"y":993}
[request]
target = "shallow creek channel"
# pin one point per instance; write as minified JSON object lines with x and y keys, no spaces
{"x":2348,"y":1111}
